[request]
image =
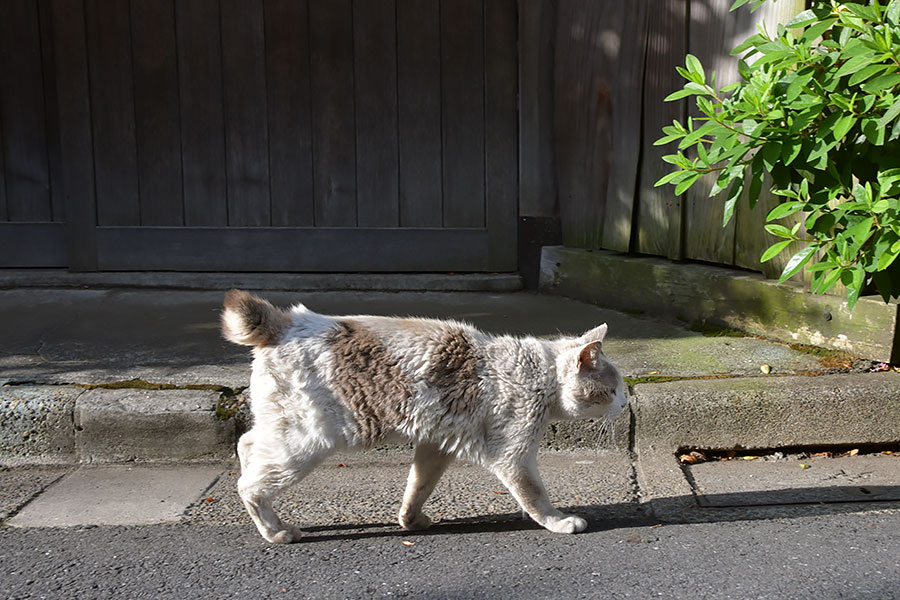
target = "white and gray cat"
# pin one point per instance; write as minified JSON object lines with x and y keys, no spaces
{"x":323,"y":383}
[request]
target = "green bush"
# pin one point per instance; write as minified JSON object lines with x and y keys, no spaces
{"x":817,"y":109}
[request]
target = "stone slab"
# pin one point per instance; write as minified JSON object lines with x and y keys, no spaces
{"x":767,"y":412}
{"x":695,"y":293}
{"x":115,"y":425}
{"x":36,"y":423}
{"x":20,"y":484}
{"x":761,"y":482}
{"x":367,"y":487}
{"x":118,"y":495}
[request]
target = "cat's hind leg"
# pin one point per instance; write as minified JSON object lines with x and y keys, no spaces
{"x":266,"y":471}
{"x":524,"y":483}
{"x":427,"y":467}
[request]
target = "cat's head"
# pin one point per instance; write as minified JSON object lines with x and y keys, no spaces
{"x":590,"y":385}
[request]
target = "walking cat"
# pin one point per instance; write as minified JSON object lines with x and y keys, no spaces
{"x":322,"y":383}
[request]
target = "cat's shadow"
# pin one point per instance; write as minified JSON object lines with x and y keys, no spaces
{"x":679,"y":510}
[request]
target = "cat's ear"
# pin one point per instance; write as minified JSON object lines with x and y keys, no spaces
{"x":594,"y":335}
{"x":589,"y":356}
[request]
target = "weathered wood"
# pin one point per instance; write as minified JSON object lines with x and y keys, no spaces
{"x":334,"y":127}
{"x":750,"y":238}
{"x":27,"y":177}
{"x":246,"y":121}
{"x":293,"y":249}
{"x":419,"y":100}
{"x":157,"y":112}
{"x":625,"y":46}
{"x":57,"y":198}
{"x":290,"y":127}
{"x":113,"y":120}
{"x":76,"y":142}
{"x":375,"y":55}
{"x":660,"y":213}
{"x":583,"y":113}
{"x":501,"y":129}
{"x":462,"y":90}
{"x":537,"y":175}
{"x":714,"y":31}
{"x":32,"y":245}
{"x":202,"y":112}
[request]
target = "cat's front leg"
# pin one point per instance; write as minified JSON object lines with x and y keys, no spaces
{"x":428,"y":466}
{"x":524,"y":483}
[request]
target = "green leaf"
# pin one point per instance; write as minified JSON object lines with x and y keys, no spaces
{"x":683,"y":186}
{"x":677,"y":95}
{"x":779,"y":231}
{"x":861,"y":231}
{"x":873,"y":132}
{"x":816,"y":30}
{"x":783,"y":210}
{"x":828,"y":281}
{"x":734,"y":194}
{"x":797,"y":261}
{"x":774,"y":250}
{"x":771,"y":152}
{"x":804,"y":18}
{"x":854,"y":284}
{"x":864,"y":74}
{"x":695,"y":68}
{"x":790,"y":149}
{"x":855,"y":64}
{"x":881,"y":83}
{"x":890,"y":114}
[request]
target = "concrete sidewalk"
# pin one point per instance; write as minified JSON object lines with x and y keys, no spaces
{"x":111,"y":375}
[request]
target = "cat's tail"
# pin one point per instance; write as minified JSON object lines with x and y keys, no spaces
{"x":252,"y":321}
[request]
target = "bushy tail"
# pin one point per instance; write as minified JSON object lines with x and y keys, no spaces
{"x":252,"y":321}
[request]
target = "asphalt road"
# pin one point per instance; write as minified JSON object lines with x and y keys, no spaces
{"x":800,"y":552}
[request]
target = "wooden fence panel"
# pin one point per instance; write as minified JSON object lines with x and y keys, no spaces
{"x":626,"y":35}
{"x":157,"y":114}
{"x":583,"y":114}
{"x":113,"y":120}
{"x":419,"y":101}
{"x":290,"y":113}
{"x":246,"y":119}
{"x":202,"y":112}
{"x":659,"y":225}
{"x":462,"y":105}
{"x":26,"y":185}
{"x":334,"y":124}
{"x":377,"y":163}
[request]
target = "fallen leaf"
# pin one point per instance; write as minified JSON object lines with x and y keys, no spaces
{"x":804,"y":466}
{"x":342,"y":465}
{"x":657,"y":526}
{"x":765,"y":368}
{"x":853,"y":452}
{"x":825,"y":454}
{"x":749,"y":457}
{"x":210,"y":499}
{"x":408,"y":543}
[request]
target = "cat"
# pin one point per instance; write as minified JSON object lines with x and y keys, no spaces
{"x":324,"y":383}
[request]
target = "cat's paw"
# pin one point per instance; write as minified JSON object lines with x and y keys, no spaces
{"x":569,"y":524}
{"x":288,"y":535}
{"x":420,"y":521}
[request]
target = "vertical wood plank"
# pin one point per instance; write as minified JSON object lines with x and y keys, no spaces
{"x":334,"y":120}
{"x":583,"y":113}
{"x":202,"y":113}
{"x":659,"y":215}
{"x":157,"y":113}
{"x":112,"y":100}
{"x":751,"y":239}
{"x":626,"y":50}
{"x":4,"y":213}
{"x":714,"y":31}
{"x":57,"y":199}
{"x":501,"y":132}
{"x":419,"y":98}
{"x":22,"y":113}
{"x":462,"y":89}
{"x":290,"y":128}
{"x":76,"y":143}
{"x":375,"y":68}
{"x":246,"y":120}
{"x":537,"y":175}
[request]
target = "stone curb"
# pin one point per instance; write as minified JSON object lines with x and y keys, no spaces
{"x":67,"y":423}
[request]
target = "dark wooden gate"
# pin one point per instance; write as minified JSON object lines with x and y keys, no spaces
{"x":259,"y":135}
